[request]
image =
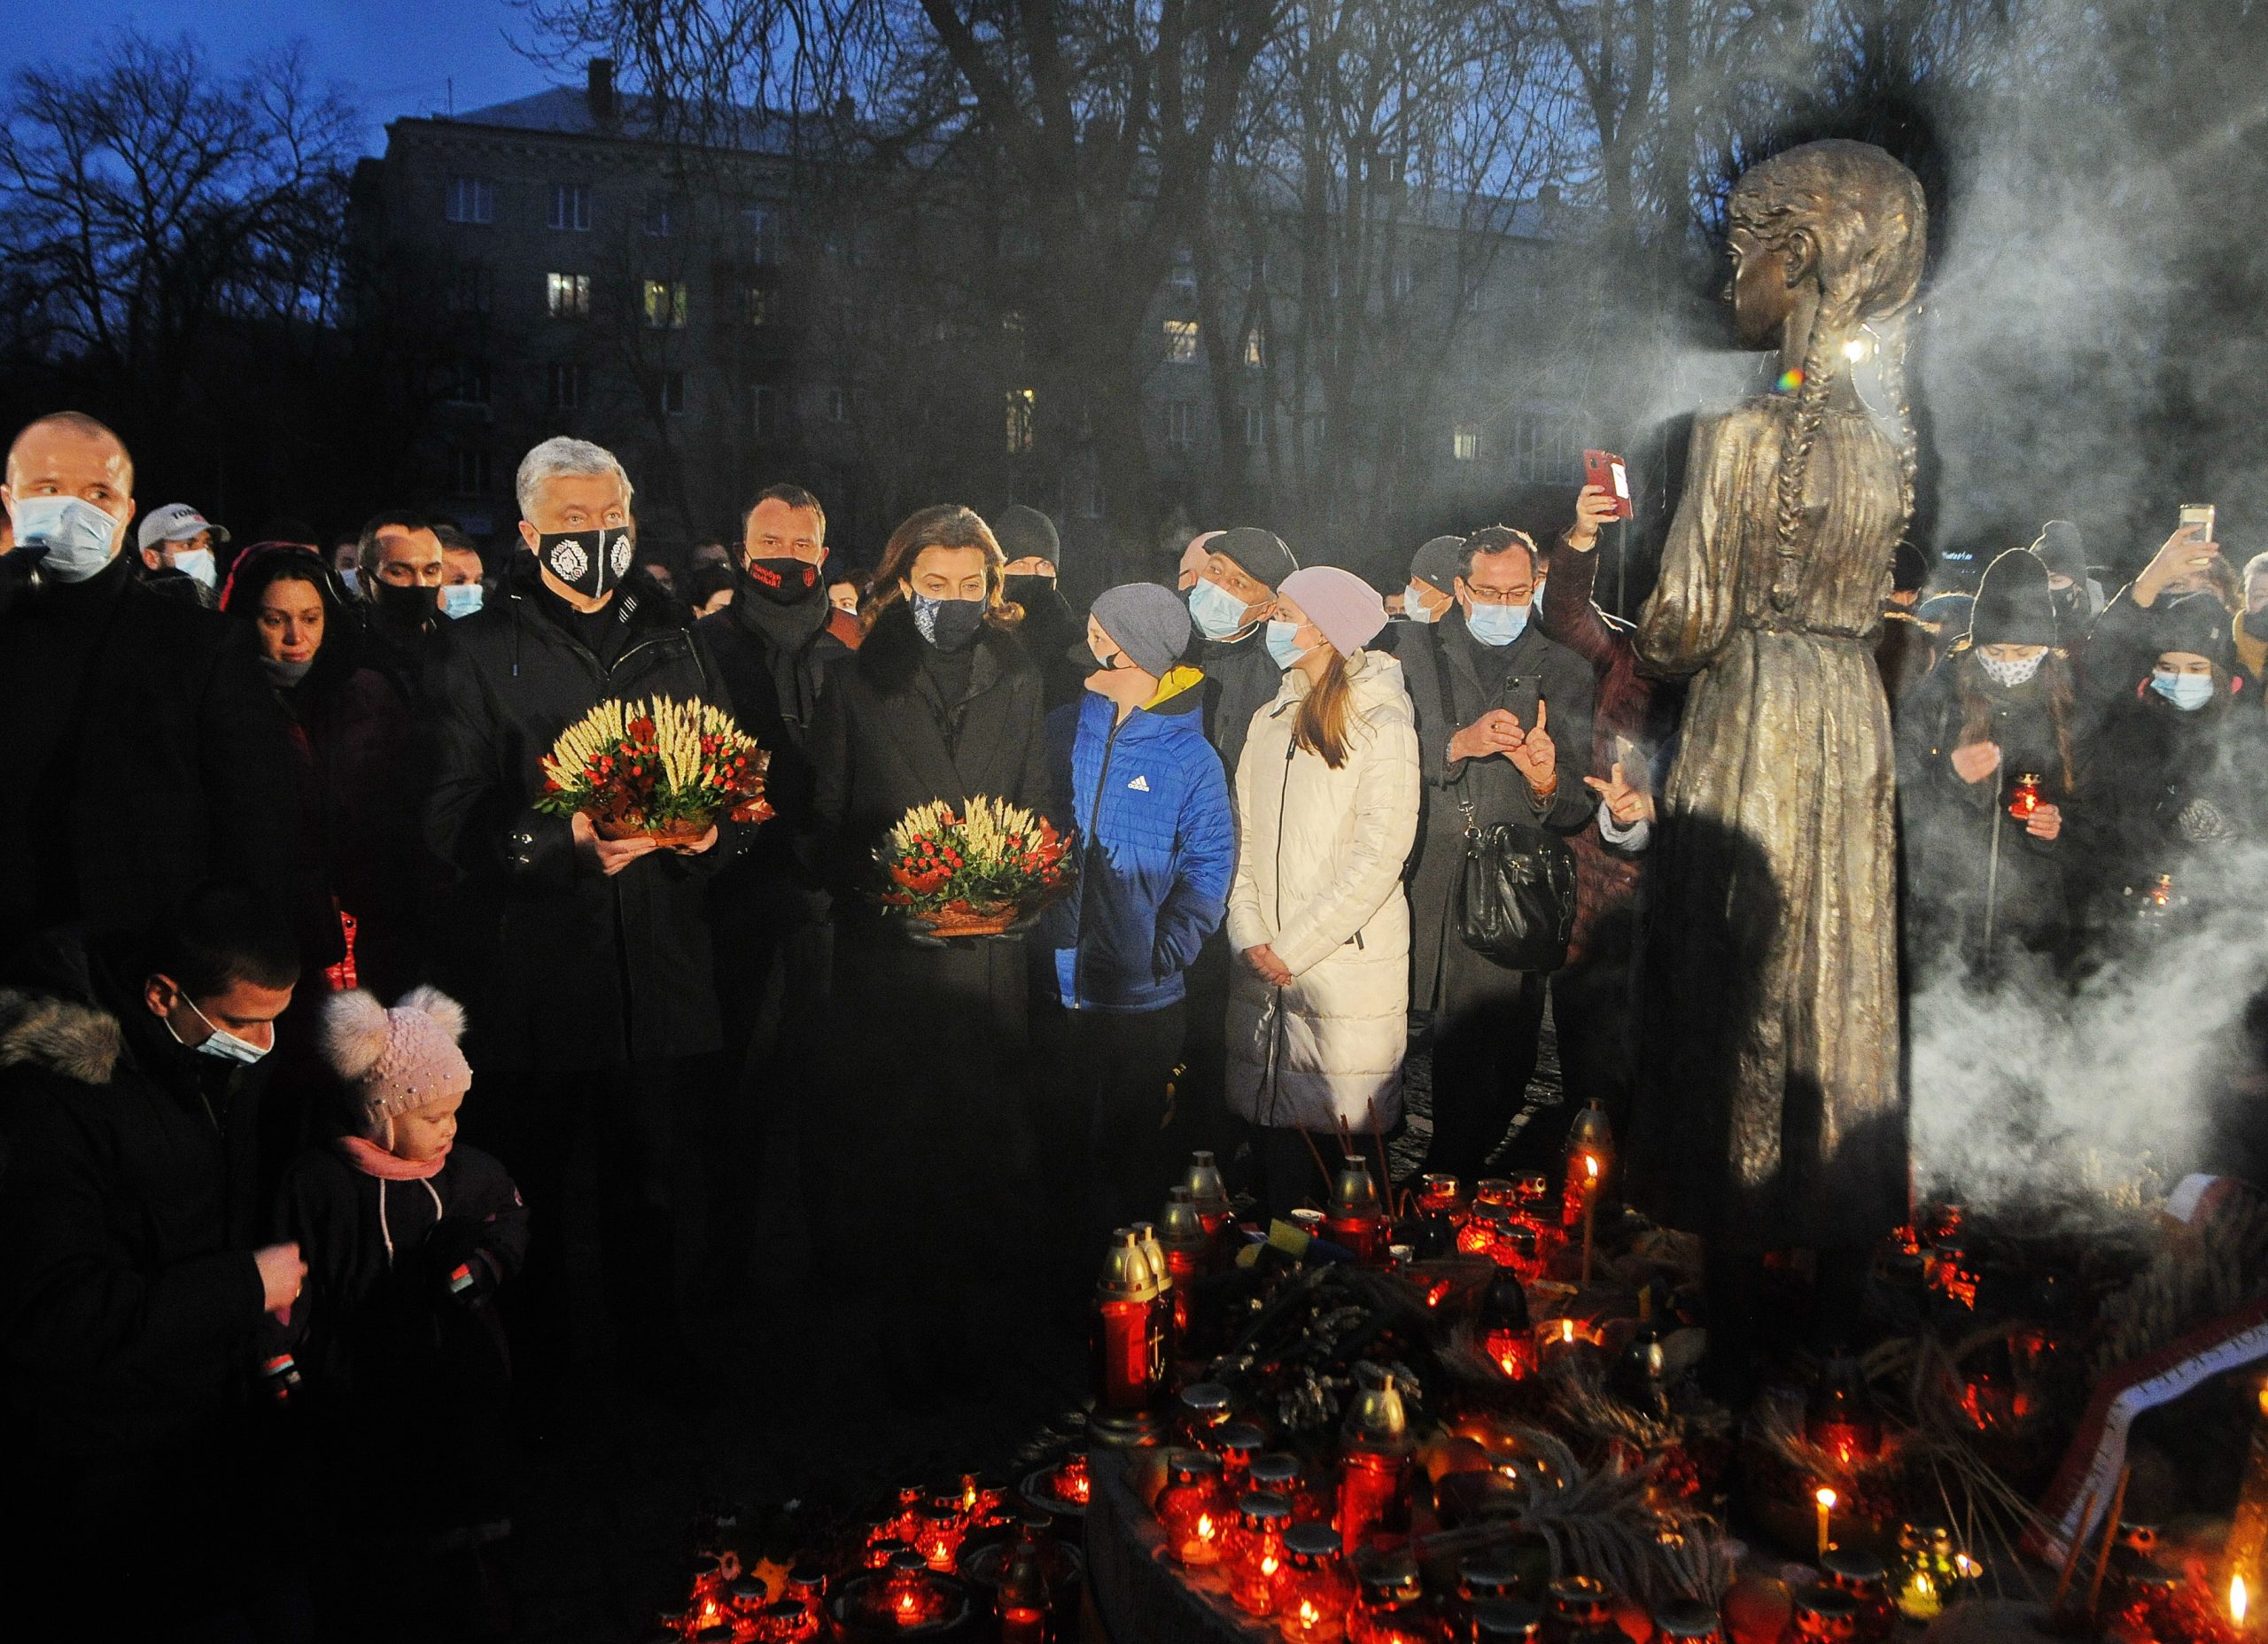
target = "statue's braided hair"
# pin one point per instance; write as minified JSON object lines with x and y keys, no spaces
{"x":1866,"y":214}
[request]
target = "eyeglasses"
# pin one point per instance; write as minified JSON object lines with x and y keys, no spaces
{"x":1502,"y":596}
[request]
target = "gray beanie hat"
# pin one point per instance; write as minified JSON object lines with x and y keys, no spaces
{"x":1150,"y":623}
{"x":1435,"y":562}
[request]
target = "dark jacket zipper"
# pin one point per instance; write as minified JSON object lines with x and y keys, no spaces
{"x":1079,"y":908}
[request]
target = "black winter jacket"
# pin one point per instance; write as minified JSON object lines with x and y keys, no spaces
{"x":574,"y":970}
{"x":129,"y":1299}
{"x":148,"y":755}
{"x":1947,"y":827}
{"x":2168,"y":792}
{"x":379,"y":1254}
{"x":885,"y":741}
{"x":1240,"y":680}
{"x":772,"y":663}
{"x":1443,"y":968}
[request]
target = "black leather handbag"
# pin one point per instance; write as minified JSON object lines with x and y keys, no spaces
{"x":1515,"y":897}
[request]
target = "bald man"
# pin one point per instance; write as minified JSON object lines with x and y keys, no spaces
{"x":146,"y":753}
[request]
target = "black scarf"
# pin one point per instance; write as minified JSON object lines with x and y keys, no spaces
{"x":786,"y":632}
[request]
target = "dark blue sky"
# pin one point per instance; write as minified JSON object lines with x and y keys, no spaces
{"x":391,"y":57}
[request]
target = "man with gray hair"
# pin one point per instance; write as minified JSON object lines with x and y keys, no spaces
{"x":589,"y":987}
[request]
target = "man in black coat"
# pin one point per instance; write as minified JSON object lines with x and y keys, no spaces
{"x":1034,"y":581}
{"x":769,"y":911}
{"x":147,"y":752}
{"x":1229,"y":603}
{"x":592,"y":996}
{"x":1504,"y":727}
{"x":400,"y":566}
{"x":133,"y":1287}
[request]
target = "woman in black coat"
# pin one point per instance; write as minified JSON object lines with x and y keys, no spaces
{"x":359,"y":851}
{"x":1981,"y":885}
{"x":940,"y":702}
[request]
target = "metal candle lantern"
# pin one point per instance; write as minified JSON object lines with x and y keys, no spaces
{"x":1590,"y":1156}
{"x":2023,"y":798}
{"x":2246,"y":1551}
{"x":1181,"y":1235}
{"x":1507,"y":1336}
{"x":1840,"y":1417}
{"x":1208,"y":1192}
{"x":1021,"y":1603}
{"x":1389,"y":1605}
{"x":1313,"y":1594}
{"x":1377,"y":1458}
{"x":1192,"y":1509}
{"x":1128,"y":1353}
{"x":1254,"y":1551}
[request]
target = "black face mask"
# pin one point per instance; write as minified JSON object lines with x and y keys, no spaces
{"x":2070,"y":605}
{"x":591,"y":562}
{"x":1028,"y":591}
{"x":1082,"y":657}
{"x":2256,"y":623}
{"x":787,"y":581}
{"x":412,"y":605}
{"x":949,"y":625}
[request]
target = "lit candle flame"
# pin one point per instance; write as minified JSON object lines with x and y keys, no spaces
{"x":2240,"y":1601}
{"x":1268,"y":1563}
{"x":1567,"y":1329}
{"x":1590,"y":1166}
{"x":1309,"y":1614}
{"x":1826,"y":1498}
{"x":1204,"y":1526}
{"x":1967,"y":1568}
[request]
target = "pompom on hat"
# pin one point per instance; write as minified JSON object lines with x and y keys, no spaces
{"x":398,"y":1061}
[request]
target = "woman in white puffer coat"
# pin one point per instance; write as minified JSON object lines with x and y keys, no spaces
{"x":1326,"y":795}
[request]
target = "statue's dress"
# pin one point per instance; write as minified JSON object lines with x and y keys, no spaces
{"x":1771,"y":1112}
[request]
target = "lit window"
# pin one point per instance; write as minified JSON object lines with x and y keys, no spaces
{"x":472,"y":199}
{"x":673,"y":393}
{"x":1181,"y":421}
{"x":568,"y":296}
{"x":1020,"y":402}
{"x":756,"y":304}
{"x":571,"y":206}
{"x":664,"y":304}
{"x":570,"y":387}
{"x":1255,"y":354}
{"x":1181,"y":341}
{"x":1466,"y":442}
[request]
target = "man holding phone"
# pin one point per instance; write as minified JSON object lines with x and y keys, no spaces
{"x":1504,"y":736}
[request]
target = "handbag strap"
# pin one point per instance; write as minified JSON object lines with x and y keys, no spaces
{"x":1448,"y":712}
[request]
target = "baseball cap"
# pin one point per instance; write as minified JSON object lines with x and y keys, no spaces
{"x":176,"y":522}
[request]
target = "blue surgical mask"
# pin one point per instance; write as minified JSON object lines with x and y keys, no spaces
{"x":222,"y":1045}
{"x":1413,"y":603}
{"x":78,"y":535}
{"x":1284,"y":643}
{"x":1496,"y":624}
{"x":460,"y":599}
{"x":197,"y":565}
{"x":352,"y":579}
{"x":1216,"y":612}
{"x":2188,"y":691}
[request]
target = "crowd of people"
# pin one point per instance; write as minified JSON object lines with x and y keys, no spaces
{"x":280,"y":914}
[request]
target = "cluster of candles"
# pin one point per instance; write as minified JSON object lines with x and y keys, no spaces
{"x":734,"y":1606}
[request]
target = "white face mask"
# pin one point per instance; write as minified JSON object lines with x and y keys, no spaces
{"x":224,"y":1045}
{"x":197,"y":565}
{"x":79,"y":537}
{"x":2008,"y":675}
{"x":1413,"y":603}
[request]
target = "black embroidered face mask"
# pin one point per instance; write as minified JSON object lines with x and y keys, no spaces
{"x":592,"y":561}
{"x":783,"y":580}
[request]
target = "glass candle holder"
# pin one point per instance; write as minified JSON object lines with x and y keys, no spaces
{"x":879,"y":1554}
{"x":1236,"y":1445}
{"x":1689,"y":1621}
{"x":1823,"y":1616}
{"x":910,"y":1596}
{"x":1202,"y":1407}
{"x":1924,"y":1580}
{"x":1506,"y":1621}
{"x":1390,"y":1605}
{"x":807,"y":1586}
{"x":1483,"y":1226}
{"x":1485,"y":1576}
{"x":784,"y":1621}
{"x":939,"y":1537}
{"x":1864,"y":1579}
{"x":1253,"y":1553}
{"x":2024,"y":796}
{"x":1210,"y":1193}
{"x":1377,"y":1462}
{"x":1575,"y":1606}
{"x":1284,"y":1475}
{"x":1314,"y":1593}
{"x":1440,"y":1195}
{"x":1356,"y":1218}
{"x":1192,"y":1509}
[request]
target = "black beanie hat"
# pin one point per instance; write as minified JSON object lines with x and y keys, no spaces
{"x":2197,"y":623}
{"x":1260,"y":554}
{"x":2062,"y":551}
{"x":2014,"y":605}
{"x":1909,"y":570}
{"x":1026,"y":534}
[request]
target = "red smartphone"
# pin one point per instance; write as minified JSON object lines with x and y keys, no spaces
{"x":1608,"y":472}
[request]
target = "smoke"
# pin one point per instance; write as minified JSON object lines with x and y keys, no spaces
{"x":2034,"y":1088}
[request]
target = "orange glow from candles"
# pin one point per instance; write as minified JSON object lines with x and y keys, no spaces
{"x":1826,"y":1498}
{"x":1567,"y":1332}
{"x":2240,"y":1599}
{"x":1590,"y":1166}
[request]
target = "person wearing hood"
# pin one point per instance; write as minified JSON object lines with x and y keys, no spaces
{"x":2186,"y":579}
{"x":176,"y":545}
{"x":928,"y":1040}
{"x":1156,"y":846}
{"x":768,"y":911}
{"x":1327,"y":803}
{"x":146,"y":752}
{"x":1228,"y":602}
{"x":1049,"y":629}
{"x":134,"y":1286}
{"x":1992,"y":732}
{"x":359,"y":854}
{"x":2079,"y":598}
{"x":2248,"y":629}
{"x":590,"y":982}
{"x":1907,"y":648}
{"x":1503,"y":719}
{"x":2170,"y":777}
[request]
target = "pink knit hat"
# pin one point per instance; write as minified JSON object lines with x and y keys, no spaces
{"x":1347,"y":608}
{"x":397,"y":1061}
{"x":1200,"y":550}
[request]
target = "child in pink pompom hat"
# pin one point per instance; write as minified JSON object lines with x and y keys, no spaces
{"x":406,"y":1235}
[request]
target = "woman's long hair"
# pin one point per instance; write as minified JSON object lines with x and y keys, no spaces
{"x":1866,"y":214}
{"x":944,"y":525}
{"x":1973,"y":691}
{"x":1322,"y":726}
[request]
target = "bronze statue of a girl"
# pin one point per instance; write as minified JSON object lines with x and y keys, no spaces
{"x":1772,"y":1113}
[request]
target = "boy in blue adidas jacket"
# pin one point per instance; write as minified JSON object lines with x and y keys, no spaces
{"x":1156,"y":850}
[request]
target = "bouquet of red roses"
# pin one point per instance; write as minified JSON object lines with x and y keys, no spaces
{"x":972,"y":875}
{"x":664,"y":768}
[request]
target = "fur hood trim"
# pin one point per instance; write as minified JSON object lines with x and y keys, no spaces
{"x":60,"y":1036}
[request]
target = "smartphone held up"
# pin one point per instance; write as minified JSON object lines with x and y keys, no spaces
{"x":1612,"y":475}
